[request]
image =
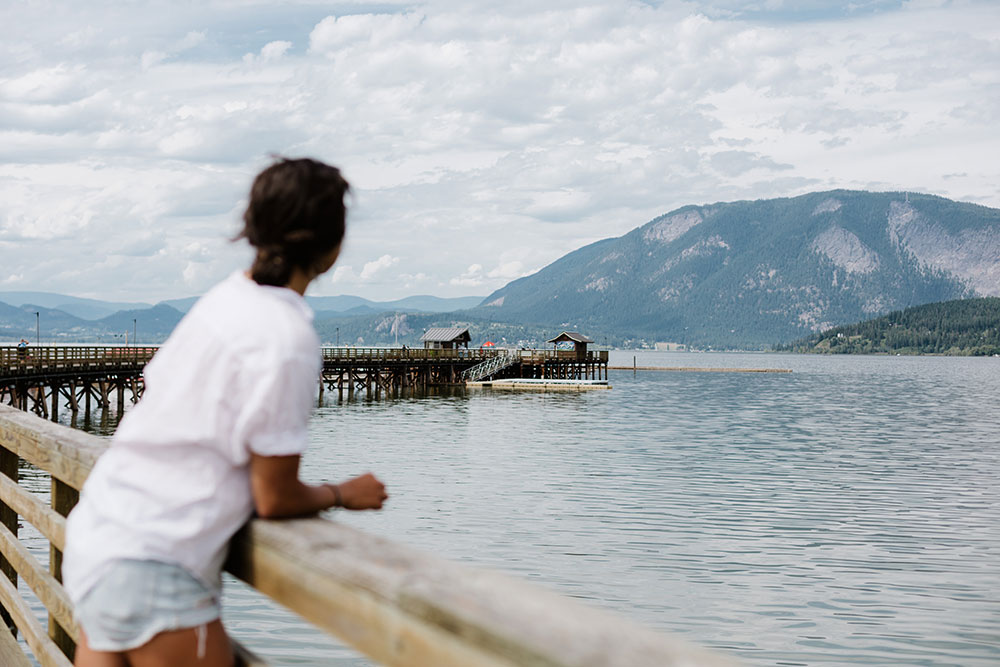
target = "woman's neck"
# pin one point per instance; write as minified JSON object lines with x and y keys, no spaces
{"x":299,"y":281}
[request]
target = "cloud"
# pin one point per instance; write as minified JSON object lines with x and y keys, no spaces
{"x":734,"y":163}
{"x":476,"y":276}
{"x":191,"y":40}
{"x":471,"y":277}
{"x":50,"y":85}
{"x":344,"y":275}
{"x":374,"y":268}
{"x":497,"y":136}
{"x":337,"y":32}
{"x":269,"y":53}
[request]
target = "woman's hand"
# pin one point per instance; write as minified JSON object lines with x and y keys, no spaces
{"x":278,"y":492}
{"x":365,"y":492}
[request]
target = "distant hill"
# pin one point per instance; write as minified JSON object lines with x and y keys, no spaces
{"x":345,"y":303}
{"x":87,"y":309}
{"x":754,"y":273}
{"x":18,"y":322}
{"x":422,"y":303}
{"x":965,"y":327}
{"x":152,"y":325}
{"x":100,"y":323}
{"x":183,"y":305}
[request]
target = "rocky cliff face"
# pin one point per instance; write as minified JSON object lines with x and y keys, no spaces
{"x":753,"y":273}
{"x":972,"y":254}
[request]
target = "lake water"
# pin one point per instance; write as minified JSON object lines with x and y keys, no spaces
{"x":847,"y":513}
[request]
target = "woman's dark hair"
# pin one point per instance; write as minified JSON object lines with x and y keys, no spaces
{"x":295,"y":217}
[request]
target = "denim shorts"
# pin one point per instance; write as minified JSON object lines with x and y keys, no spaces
{"x":135,"y":600}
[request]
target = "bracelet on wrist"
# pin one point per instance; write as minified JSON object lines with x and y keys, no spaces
{"x":338,"y":500}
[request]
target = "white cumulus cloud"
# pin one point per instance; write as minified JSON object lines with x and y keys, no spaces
{"x":375,"y":267}
{"x":483,"y":140}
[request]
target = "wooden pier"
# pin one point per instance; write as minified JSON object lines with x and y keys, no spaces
{"x":45,"y":378}
{"x":398,"y":605}
{"x":42,"y":378}
{"x":377,"y":370}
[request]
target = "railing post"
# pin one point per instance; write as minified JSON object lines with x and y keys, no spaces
{"x":8,"y":517}
{"x":64,"y":498}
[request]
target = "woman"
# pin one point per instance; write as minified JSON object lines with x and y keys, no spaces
{"x":217,"y":436}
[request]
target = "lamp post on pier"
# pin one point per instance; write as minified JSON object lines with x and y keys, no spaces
{"x":338,"y":336}
{"x":38,"y":329}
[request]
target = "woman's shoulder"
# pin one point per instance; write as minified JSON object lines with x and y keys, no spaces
{"x":253,"y":314}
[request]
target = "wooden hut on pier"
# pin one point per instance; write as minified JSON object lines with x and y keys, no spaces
{"x":445,"y":338}
{"x":578,"y":339}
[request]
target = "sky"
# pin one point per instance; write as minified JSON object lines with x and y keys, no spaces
{"x":483,"y":140}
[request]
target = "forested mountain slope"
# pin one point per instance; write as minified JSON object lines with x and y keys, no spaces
{"x":754,"y":273}
{"x":965,"y":327}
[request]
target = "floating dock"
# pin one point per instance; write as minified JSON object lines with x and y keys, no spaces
{"x":537,"y":384}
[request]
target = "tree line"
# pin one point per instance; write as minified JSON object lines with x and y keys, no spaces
{"x":960,"y":327}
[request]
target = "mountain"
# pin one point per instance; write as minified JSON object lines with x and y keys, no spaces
{"x":87,"y":309}
{"x":182,"y":305}
{"x":52,"y":325}
{"x":154,"y":324}
{"x":422,"y":303}
{"x":753,"y":273}
{"x":150,"y":325}
{"x":18,"y":322}
{"x":425,"y":303}
{"x":345,"y":303}
{"x":965,"y":327}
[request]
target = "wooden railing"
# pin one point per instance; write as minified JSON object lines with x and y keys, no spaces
{"x":474,"y":354}
{"x":403,"y":354}
{"x":58,"y":356}
{"x":393,"y":603}
{"x":43,"y":358}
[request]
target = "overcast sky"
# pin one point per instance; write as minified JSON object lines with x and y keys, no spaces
{"x":484,"y":139}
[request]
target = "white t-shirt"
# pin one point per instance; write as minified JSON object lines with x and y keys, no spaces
{"x":238,"y":374}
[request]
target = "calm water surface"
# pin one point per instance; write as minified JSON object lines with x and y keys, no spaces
{"x":844,"y":514}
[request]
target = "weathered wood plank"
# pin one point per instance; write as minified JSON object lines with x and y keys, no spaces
{"x":67,"y":454}
{"x":64,"y":499}
{"x":405,"y":607}
{"x":48,"y":590}
{"x":46,"y":652}
{"x":8,"y":518}
{"x":352,"y":612}
{"x":38,"y":514}
{"x":11,"y":654}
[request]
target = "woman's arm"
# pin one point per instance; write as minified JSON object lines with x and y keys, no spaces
{"x":278,"y":491}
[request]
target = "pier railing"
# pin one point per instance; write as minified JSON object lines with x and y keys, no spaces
{"x":40,"y":358}
{"x":397,"y":605}
{"x":404,"y":354}
{"x":48,"y":358}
